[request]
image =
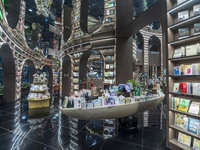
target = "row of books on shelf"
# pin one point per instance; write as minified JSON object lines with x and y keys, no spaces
{"x":110,"y":4}
{"x":109,"y":66}
{"x":185,"y":105}
{"x":75,"y":80}
{"x":190,"y":50}
{"x":187,"y":88}
{"x":187,"y":140}
{"x":187,"y":124}
{"x":185,"y":32}
{"x":186,"y":14}
{"x":193,"y":69}
{"x":76,"y":74}
{"x":109,"y":74}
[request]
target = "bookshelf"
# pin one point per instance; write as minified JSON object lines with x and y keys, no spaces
{"x":175,"y":43}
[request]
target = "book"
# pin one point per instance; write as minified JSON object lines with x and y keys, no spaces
{"x":194,"y":108}
{"x":189,"y":88}
{"x":195,"y":69}
{"x":196,"y":144}
{"x":193,"y":125}
{"x":177,"y":70}
{"x":196,"y":88}
{"x":183,"y":105}
{"x":196,"y":9}
{"x":175,"y":103}
{"x":184,"y":139}
{"x":188,"y":70}
{"x":196,"y":28}
{"x":183,"y":15}
{"x":181,"y":120}
{"x":183,"y":33}
{"x":192,"y":50}
{"x":181,"y":87}
{"x":176,"y":88}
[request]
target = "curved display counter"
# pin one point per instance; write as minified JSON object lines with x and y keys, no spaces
{"x":111,"y":112}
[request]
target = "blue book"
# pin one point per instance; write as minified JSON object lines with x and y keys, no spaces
{"x":193,"y":125}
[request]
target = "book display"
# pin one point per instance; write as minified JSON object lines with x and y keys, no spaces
{"x":183,"y":71}
{"x":39,"y":95}
{"x":110,"y":9}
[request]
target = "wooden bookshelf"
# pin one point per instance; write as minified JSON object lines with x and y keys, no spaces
{"x":174,"y":43}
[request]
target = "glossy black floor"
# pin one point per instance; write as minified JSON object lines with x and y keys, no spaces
{"x":24,"y":129}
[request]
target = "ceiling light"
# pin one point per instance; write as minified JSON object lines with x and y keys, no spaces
{"x":30,"y":10}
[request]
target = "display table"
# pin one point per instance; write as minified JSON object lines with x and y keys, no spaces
{"x":112,"y":112}
{"x":38,"y":103}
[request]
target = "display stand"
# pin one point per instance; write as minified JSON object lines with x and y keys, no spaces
{"x":43,"y":101}
{"x":175,"y":23}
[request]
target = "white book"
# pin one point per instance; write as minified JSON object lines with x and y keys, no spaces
{"x":183,"y":15}
{"x":196,"y":9}
{"x":191,"y":50}
{"x":194,"y":108}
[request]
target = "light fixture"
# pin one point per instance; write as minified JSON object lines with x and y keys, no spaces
{"x":30,"y":10}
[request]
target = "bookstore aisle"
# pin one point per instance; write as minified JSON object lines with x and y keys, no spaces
{"x":44,"y":129}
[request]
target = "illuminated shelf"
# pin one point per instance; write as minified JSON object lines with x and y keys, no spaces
{"x":185,"y":40}
{"x":179,"y":145}
{"x":181,"y":94}
{"x":185,"y":113}
{"x":183,"y":6}
{"x":185,"y":22}
{"x":184,"y":76}
{"x":185,"y":131}
{"x":184,"y":58}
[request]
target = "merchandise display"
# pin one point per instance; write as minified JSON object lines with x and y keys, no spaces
{"x":39,"y":95}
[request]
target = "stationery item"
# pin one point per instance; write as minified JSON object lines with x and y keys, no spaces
{"x":183,"y":105}
{"x":194,"y":108}
{"x":184,"y":139}
{"x":196,"y":28}
{"x":192,"y":50}
{"x":180,"y":120}
{"x":183,"y":15}
{"x":77,"y":103}
{"x":89,"y":105}
{"x":194,"y":125}
{"x":196,"y":144}
{"x":196,"y":9}
{"x":176,"y":88}
{"x":183,"y":33}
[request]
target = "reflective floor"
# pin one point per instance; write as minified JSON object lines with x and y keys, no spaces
{"x":24,"y":129}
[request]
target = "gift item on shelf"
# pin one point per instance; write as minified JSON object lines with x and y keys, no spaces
{"x":180,"y":104}
{"x":180,"y":52}
{"x":192,"y":50}
{"x":177,"y":70}
{"x":176,"y":88}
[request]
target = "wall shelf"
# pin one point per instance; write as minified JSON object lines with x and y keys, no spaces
{"x":185,"y":40}
{"x":176,"y":144}
{"x":184,"y":76}
{"x":185,"y":113}
{"x":187,"y":95}
{"x":184,"y":58}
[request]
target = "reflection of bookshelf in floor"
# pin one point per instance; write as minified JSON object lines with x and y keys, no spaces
{"x":109,"y":128}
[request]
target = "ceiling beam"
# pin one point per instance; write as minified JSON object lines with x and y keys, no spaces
{"x":151,"y":14}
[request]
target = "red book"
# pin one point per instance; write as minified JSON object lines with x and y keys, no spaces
{"x":185,"y":88}
{"x":181,"y":87}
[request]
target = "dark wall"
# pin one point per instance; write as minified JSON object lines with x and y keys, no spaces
{"x":32,"y":69}
{"x":49,"y":73}
{"x":84,"y":16}
{"x":67,"y":22}
{"x":66,"y":75}
{"x":9,"y":73}
{"x":13,"y":9}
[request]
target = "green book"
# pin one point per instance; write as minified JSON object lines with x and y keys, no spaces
{"x":184,"y":105}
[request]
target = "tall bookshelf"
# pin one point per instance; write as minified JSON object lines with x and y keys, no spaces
{"x":174,"y":42}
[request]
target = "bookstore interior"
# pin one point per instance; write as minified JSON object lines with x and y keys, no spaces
{"x":100,"y":74}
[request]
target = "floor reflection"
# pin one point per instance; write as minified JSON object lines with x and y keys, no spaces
{"x":47,"y":128}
